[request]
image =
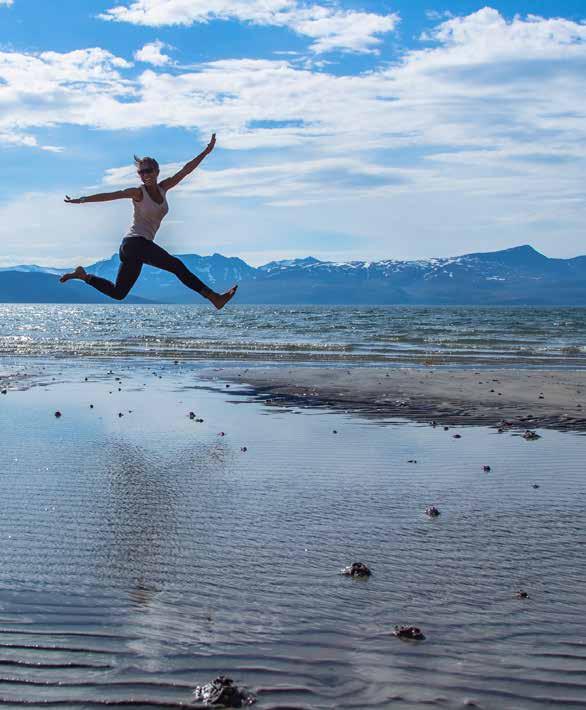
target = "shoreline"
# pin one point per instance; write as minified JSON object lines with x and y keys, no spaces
{"x":525,"y":398}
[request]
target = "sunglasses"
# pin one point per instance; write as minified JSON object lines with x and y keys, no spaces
{"x":146,"y":171}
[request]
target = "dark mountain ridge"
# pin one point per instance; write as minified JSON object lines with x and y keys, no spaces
{"x":516,"y":276}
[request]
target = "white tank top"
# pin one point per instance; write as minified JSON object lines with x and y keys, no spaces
{"x":148,"y":215}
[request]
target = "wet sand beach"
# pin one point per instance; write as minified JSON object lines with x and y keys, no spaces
{"x":145,"y":554}
{"x":526,"y":397}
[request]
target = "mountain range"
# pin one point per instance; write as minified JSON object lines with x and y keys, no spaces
{"x":517,"y":276}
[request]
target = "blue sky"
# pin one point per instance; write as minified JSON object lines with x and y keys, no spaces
{"x":346,"y":130}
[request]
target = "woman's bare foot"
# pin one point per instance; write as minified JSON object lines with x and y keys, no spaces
{"x":79,"y":273}
{"x":221,"y":299}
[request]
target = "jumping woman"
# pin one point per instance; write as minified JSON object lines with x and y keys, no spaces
{"x":138,"y":246}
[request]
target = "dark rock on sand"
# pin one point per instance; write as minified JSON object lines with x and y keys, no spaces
{"x":221,"y":692}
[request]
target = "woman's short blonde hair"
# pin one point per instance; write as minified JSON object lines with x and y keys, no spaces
{"x":146,"y":159}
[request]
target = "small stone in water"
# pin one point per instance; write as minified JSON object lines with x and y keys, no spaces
{"x":222,"y":692}
{"x":57,"y":414}
{"x":356,"y":569}
{"x":412,"y":633}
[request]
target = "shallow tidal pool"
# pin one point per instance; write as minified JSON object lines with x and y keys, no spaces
{"x":144,"y":554}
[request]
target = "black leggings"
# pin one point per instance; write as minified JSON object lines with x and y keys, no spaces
{"x":136,"y":251}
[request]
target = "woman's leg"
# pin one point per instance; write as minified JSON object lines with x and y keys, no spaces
{"x":128,"y":272}
{"x":154,"y":255}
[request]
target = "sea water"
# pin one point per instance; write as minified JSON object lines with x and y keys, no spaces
{"x":321,"y":334}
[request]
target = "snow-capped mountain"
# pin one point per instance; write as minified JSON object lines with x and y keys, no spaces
{"x":34,"y":269}
{"x":520,"y":275}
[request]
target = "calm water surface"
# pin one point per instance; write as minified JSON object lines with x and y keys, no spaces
{"x":345,"y":334}
{"x":144,"y":554}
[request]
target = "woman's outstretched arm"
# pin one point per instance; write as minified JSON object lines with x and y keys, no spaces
{"x":188,"y":168}
{"x":131,"y":192}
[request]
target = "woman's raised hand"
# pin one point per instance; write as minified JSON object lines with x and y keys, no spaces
{"x":211,"y":144}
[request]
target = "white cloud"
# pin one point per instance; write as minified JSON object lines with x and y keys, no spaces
{"x":336,"y":29}
{"x":7,"y":2}
{"x":17,"y":139}
{"x":487,"y":35}
{"x":329,"y":27}
{"x":32,"y":226}
{"x":487,"y":83}
{"x":22,"y":140}
{"x":152,"y":54}
{"x":158,"y":13}
{"x":309,"y":180}
{"x":438,"y":15}
{"x":491,"y":114}
{"x":51,"y":88}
